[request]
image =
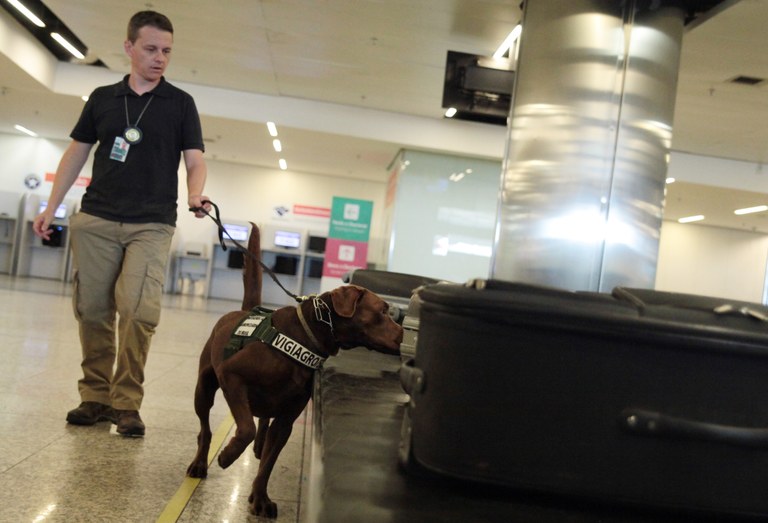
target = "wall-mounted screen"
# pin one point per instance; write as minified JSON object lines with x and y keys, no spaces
{"x":316,"y":244}
{"x":288,"y":239}
{"x":235,"y":232}
{"x":286,"y":265}
{"x":315,"y":268}
{"x":61,"y":210}
{"x":236,"y":259}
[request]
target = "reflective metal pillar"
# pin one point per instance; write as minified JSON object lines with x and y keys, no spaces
{"x":590,"y":129}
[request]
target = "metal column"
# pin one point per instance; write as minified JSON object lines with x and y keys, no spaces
{"x":590,"y":129}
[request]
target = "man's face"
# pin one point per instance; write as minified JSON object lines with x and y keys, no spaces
{"x":150,"y":53}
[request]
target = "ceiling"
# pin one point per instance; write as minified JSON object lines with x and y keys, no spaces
{"x":389,"y":55}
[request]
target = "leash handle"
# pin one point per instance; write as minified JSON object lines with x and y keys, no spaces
{"x":216,"y":219}
{"x":221,"y":231}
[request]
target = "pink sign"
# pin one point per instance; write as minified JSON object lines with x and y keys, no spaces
{"x":80,"y":181}
{"x":309,"y":210}
{"x":341,"y":256}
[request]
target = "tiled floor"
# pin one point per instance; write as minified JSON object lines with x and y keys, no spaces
{"x":52,"y":471}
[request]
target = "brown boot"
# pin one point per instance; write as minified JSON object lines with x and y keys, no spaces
{"x":91,"y":412}
{"x":129,"y":423}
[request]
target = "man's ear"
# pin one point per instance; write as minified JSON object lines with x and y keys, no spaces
{"x":345,"y":298}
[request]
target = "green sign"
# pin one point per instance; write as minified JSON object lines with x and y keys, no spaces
{"x":350,"y":219}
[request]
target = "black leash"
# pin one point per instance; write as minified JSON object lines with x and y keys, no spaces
{"x":222,"y":231}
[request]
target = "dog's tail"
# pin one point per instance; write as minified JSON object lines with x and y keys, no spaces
{"x":252,"y":270}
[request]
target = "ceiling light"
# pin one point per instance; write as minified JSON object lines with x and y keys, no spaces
{"x":69,"y":47}
{"x":283,"y":164}
{"x":84,"y":97}
{"x":272,"y":128}
{"x":689,"y":219}
{"x":26,"y":12}
{"x":508,"y":41}
{"x":24,"y":130}
{"x":670,"y":180}
{"x":451,"y":112}
{"x":749,"y":210}
{"x":277,"y":145}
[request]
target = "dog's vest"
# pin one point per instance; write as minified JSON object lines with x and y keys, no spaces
{"x":258,"y":326}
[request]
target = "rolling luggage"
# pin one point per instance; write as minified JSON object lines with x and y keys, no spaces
{"x":393,"y":287}
{"x":640,"y":397}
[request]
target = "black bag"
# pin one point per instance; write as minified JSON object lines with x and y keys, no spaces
{"x":642,"y":397}
{"x":393,"y":287}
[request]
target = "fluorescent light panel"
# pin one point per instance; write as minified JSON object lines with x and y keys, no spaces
{"x":24,"y":130}
{"x":283,"y":164}
{"x":750,"y":210}
{"x":66,"y":45}
{"x":689,"y":219}
{"x":26,"y":12}
{"x":272,"y":128}
{"x":277,"y":145}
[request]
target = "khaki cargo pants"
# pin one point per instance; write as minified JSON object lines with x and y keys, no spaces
{"x":119,"y":272}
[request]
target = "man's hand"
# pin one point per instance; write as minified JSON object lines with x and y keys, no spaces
{"x":198,"y":201}
{"x":41,"y":225}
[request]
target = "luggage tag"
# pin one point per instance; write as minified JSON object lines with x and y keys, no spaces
{"x":119,"y":149}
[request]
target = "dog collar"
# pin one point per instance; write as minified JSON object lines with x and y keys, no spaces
{"x":258,"y":325}
{"x":322,"y":315}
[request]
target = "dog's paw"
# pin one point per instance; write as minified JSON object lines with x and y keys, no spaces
{"x":197,"y":470}
{"x":224,"y":460}
{"x":263,"y":507}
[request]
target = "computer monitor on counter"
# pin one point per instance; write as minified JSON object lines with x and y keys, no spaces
{"x":287,"y":239}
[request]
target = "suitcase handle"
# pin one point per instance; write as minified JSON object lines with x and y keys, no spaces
{"x":648,"y":423}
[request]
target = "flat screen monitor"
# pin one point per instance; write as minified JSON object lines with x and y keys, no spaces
{"x":288,"y":239}
{"x":235,"y":260}
{"x":235,"y":232}
{"x":61,"y":210}
{"x":315,"y":268}
{"x":286,"y":265}
{"x":316,"y":244}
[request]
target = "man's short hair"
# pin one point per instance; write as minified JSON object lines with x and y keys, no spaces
{"x":148,"y":18}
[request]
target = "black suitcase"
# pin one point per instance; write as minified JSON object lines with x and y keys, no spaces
{"x":393,"y":287}
{"x":640,"y":397}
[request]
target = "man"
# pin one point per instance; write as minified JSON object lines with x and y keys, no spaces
{"x":122,"y":235}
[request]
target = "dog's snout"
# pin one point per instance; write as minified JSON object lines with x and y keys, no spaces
{"x":399,"y":335}
{"x":396,"y":339}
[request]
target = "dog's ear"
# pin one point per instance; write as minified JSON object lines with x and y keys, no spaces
{"x":345,"y":298}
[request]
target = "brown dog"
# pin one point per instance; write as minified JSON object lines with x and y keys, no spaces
{"x":260,"y":381}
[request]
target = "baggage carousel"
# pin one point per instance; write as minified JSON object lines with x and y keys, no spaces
{"x":352,"y":474}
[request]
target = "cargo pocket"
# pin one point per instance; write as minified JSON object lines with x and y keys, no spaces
{"x":76,"y":293}
{"x":148,"y":306}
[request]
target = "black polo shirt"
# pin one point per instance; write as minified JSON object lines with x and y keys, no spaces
{"x":143,"y":188}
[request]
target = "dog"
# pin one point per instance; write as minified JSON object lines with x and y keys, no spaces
{"x":262,"y":381}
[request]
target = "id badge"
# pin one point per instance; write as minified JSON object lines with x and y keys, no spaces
{"x":119,"y":149}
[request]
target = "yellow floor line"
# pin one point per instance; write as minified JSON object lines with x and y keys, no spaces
{"x":176,"y":505}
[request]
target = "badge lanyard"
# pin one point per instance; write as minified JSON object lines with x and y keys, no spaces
{"x":132,"y":133}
